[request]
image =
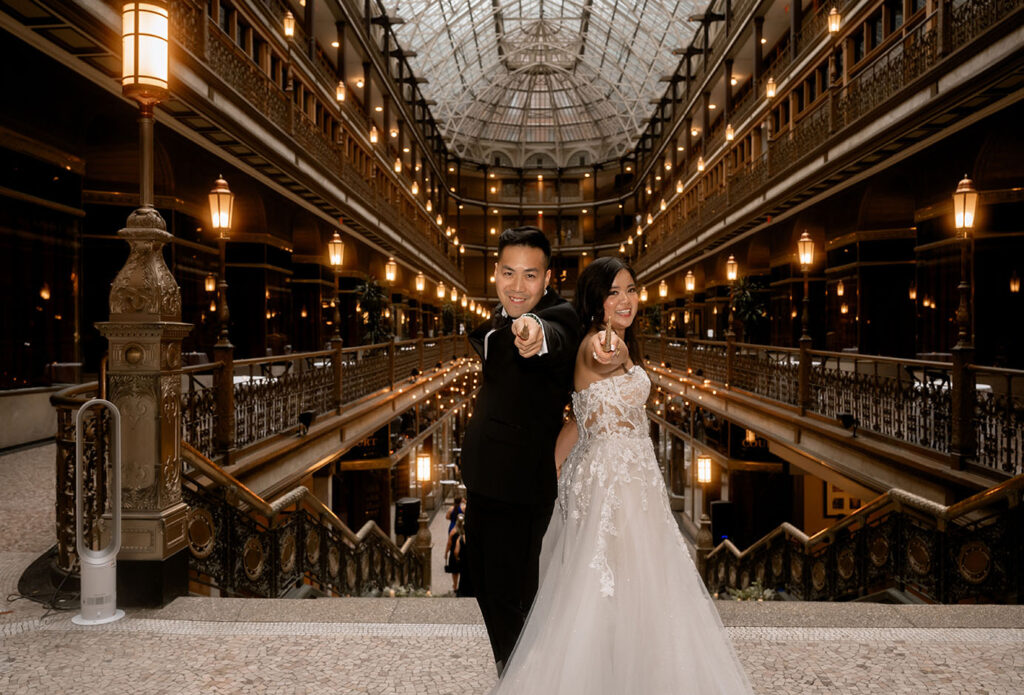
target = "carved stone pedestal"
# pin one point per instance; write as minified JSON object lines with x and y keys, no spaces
{"x":144,"y":382}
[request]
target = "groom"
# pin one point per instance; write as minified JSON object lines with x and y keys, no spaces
{"x":508,"y":462}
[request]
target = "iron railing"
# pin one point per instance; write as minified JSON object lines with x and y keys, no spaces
{"x":967,"y":552}
{"x":243,"y":545}
{"x":910,"y":401}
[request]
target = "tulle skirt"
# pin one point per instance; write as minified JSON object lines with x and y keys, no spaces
{"x":621,"y":609}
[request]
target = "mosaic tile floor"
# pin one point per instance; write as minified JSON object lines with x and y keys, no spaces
{"x":433,"y":646}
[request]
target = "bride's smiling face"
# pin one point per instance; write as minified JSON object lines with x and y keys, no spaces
{"x":622,"y":301}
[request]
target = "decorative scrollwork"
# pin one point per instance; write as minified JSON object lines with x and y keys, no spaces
{"x":919,"y":556}
{"x":201,"y":532}
{"x":974,"y":561}
{"x":253,"y":558}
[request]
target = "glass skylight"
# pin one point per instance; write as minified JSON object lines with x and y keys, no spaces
{"x":568,"y":80}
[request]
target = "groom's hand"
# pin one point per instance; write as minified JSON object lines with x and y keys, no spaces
{"x":529,"y":335}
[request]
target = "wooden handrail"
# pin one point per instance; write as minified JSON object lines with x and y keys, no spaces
{"x":894,"y":496}
{"x":296,"y":495}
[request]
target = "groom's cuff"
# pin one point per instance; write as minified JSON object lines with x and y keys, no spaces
{"x":543,"y":332}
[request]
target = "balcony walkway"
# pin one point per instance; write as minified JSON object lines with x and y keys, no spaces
{"x":438,"y":645}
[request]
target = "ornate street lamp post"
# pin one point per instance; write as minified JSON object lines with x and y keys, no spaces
{"x":962,"y":440}
{"x":144,"y":334}
{"x":691,"y":286}
{"x":732,"y":270}
{"x":705,"y":541}
{"x":336,"y":253}
{"x":805,"y":249}
{"x":222,"y":204}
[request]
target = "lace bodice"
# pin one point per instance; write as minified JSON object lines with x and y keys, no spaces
{"x":613,"y":406}
{"x":613,"y":458}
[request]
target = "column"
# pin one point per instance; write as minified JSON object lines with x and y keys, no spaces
{"x":144,"y":382}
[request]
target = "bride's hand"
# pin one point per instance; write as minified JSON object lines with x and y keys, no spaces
{"x":616,"y":355}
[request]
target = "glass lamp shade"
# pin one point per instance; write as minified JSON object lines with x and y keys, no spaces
{"x":423,"y":468}
{"x":805,"y":249}
{"x":415,"y":188}
{"x":833,"y":20}
{"x":840,"y":289}
{"x":663,"y":204}
{"x":732,"y":268}
{"x":289,"y":24}
{"x":439,"y":220}
{"x":455,"y":294}
{"x":393,"y":132}
{"x":430,"y":205}
{"x":622,"y":248}
{"x":769,"y":88}
{"x":339,"y":92}
{"x":144,"y":61}
{"x":700,"y":163}
{"x":662,"y":289}
{"x":965,"y":200}
{"x":390,"y":270}
{"x":679,"y":186}
{"x":703,"y":469}
{"x":912,"y":292}
{"x":210,"y":283}
{"x":472,"y":306}
{"x":222,"y":203}
{"x":691,"y":281}
{"x":650,"y":219}
{"x":464,"y":302}
{"x":1014,"y":283}
{"x":730,"y":134}
{"x":373,"y":134}
{"x":421,"y":282}
{"x":639,"y":230}
{"x":336,"y":250}
{"x":643,"y":294}
{"x":440,"y":290}
{"x":398,"y":165}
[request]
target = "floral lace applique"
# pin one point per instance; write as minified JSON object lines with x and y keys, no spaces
{"x":611,"y":415}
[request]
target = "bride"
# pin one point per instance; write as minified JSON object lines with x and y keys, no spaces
{"x":620,"y":609}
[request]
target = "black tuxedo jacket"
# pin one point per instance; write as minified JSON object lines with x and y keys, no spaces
{"x":508,"y":452}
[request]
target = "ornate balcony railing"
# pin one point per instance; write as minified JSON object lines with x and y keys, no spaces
{"x":999,"y":416}
{"x":912,"y":56}
{"x":266,"y":397}
{"x":95,"y":459}
{"x":199,"y":35}
{"x":910,"y":401}
{"x":244,"y":545}
{"x":968,"y":552}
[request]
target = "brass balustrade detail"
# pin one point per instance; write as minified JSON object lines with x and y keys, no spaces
{"x":907,"y":400}
{"x":271,"y":393}
{"x":969,"y":551}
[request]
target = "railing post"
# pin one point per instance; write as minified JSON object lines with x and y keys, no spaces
{"x":804,"y":374}
{"x":392,"y":349}
{"x":704,"y":546}
{"x":422,"y":548}
{"x":339,"y":373}
{"x":944,"y":33}
{"x":963,"y":393}
{"x":224,"y":397}
{"x":730,"y":352}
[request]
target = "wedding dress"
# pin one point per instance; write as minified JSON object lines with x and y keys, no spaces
{"x":621,"y":609}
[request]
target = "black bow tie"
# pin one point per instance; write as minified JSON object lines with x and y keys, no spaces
{"x":499,"y":319}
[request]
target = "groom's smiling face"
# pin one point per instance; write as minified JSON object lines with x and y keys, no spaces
{"x":520,"y":278}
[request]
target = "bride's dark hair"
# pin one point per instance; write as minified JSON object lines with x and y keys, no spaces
{"x":592,"y":288}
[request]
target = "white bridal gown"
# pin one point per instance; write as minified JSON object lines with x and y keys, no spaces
{"x":621,"y":609}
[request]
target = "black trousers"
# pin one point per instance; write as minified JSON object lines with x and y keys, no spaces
{"x":505,"y":564}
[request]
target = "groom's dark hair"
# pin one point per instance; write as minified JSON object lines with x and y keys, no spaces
{"x":527,"y":235}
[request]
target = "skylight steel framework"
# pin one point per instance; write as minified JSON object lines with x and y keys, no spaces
{"x":545,"y":83}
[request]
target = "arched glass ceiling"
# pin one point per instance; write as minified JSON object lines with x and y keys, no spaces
{"x":562,"y":82}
